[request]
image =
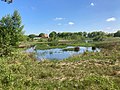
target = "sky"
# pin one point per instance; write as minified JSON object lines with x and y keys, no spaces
{"x":45,"y":16}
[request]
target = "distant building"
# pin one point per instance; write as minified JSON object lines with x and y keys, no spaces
{"x":46,"y":36}
{"x":43,"y":36}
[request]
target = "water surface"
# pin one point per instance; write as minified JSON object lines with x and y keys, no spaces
{"x":59,"y":53}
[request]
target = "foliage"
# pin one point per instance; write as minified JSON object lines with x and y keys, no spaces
{"x":99,"y":38}
{"x":117,"y":34}
{"x":10,"y":32}
{"x":32,"y":36}
{"x":72,"y":36}
{"x":97,"y":33}
{"x":53,"y":35}
{"x":108,"y":44}
{"x":53,"y":39}
{"x":41,"y":35}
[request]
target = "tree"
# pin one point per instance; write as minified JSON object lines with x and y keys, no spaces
{"x":99,"y":38}
{"x":95,"y":34}
{"x":53,"y":38}
{"x":84,"y":34}
{"x":80,"y":33}
{"x":53,"y":35}
{"x":117,"y":34}
{"x":32,"y":36}
{"x":41,"y":35}
{"x":8,"y":1}
{"x":10,"y":32}
{"x":110,"y":35}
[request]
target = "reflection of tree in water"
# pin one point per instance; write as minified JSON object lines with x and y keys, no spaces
{"x":93,"y":48}
{"x":50,"y":52}
{"x":43,"y":53}
{"x":60,"y":53}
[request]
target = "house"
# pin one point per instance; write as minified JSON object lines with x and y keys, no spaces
{"x":46,"y":36}
{"x":43,"y":36}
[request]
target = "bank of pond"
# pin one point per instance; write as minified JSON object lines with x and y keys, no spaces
{"x":60,"y":53}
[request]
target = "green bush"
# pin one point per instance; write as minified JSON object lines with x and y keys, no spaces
{"x":10,"y":32}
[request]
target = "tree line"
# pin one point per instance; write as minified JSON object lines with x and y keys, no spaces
{"x":95,"y":36}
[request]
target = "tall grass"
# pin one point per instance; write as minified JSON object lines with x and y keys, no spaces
{"x":89,"y":71}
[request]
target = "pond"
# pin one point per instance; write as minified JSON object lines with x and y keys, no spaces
{"x":59,"y":53}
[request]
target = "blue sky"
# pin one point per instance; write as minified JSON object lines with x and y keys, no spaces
{"x":44,"y":16}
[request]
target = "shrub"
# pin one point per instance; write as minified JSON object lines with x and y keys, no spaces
{"x":10,"y":32}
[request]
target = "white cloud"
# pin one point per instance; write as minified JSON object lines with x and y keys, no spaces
{"x":71,"y":23}
{"x":92,"y":4}
{"x":56,"y":19}
{"x":111,"y":19}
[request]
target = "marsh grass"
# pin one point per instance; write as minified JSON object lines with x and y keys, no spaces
{"x":89,"y":71}
{"x":62,"y":45}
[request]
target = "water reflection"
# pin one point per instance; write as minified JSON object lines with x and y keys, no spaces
{"x":60,"y":54}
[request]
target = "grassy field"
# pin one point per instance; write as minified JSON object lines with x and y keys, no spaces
{"x":61,"y":45}
{"x":88,"y":71}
